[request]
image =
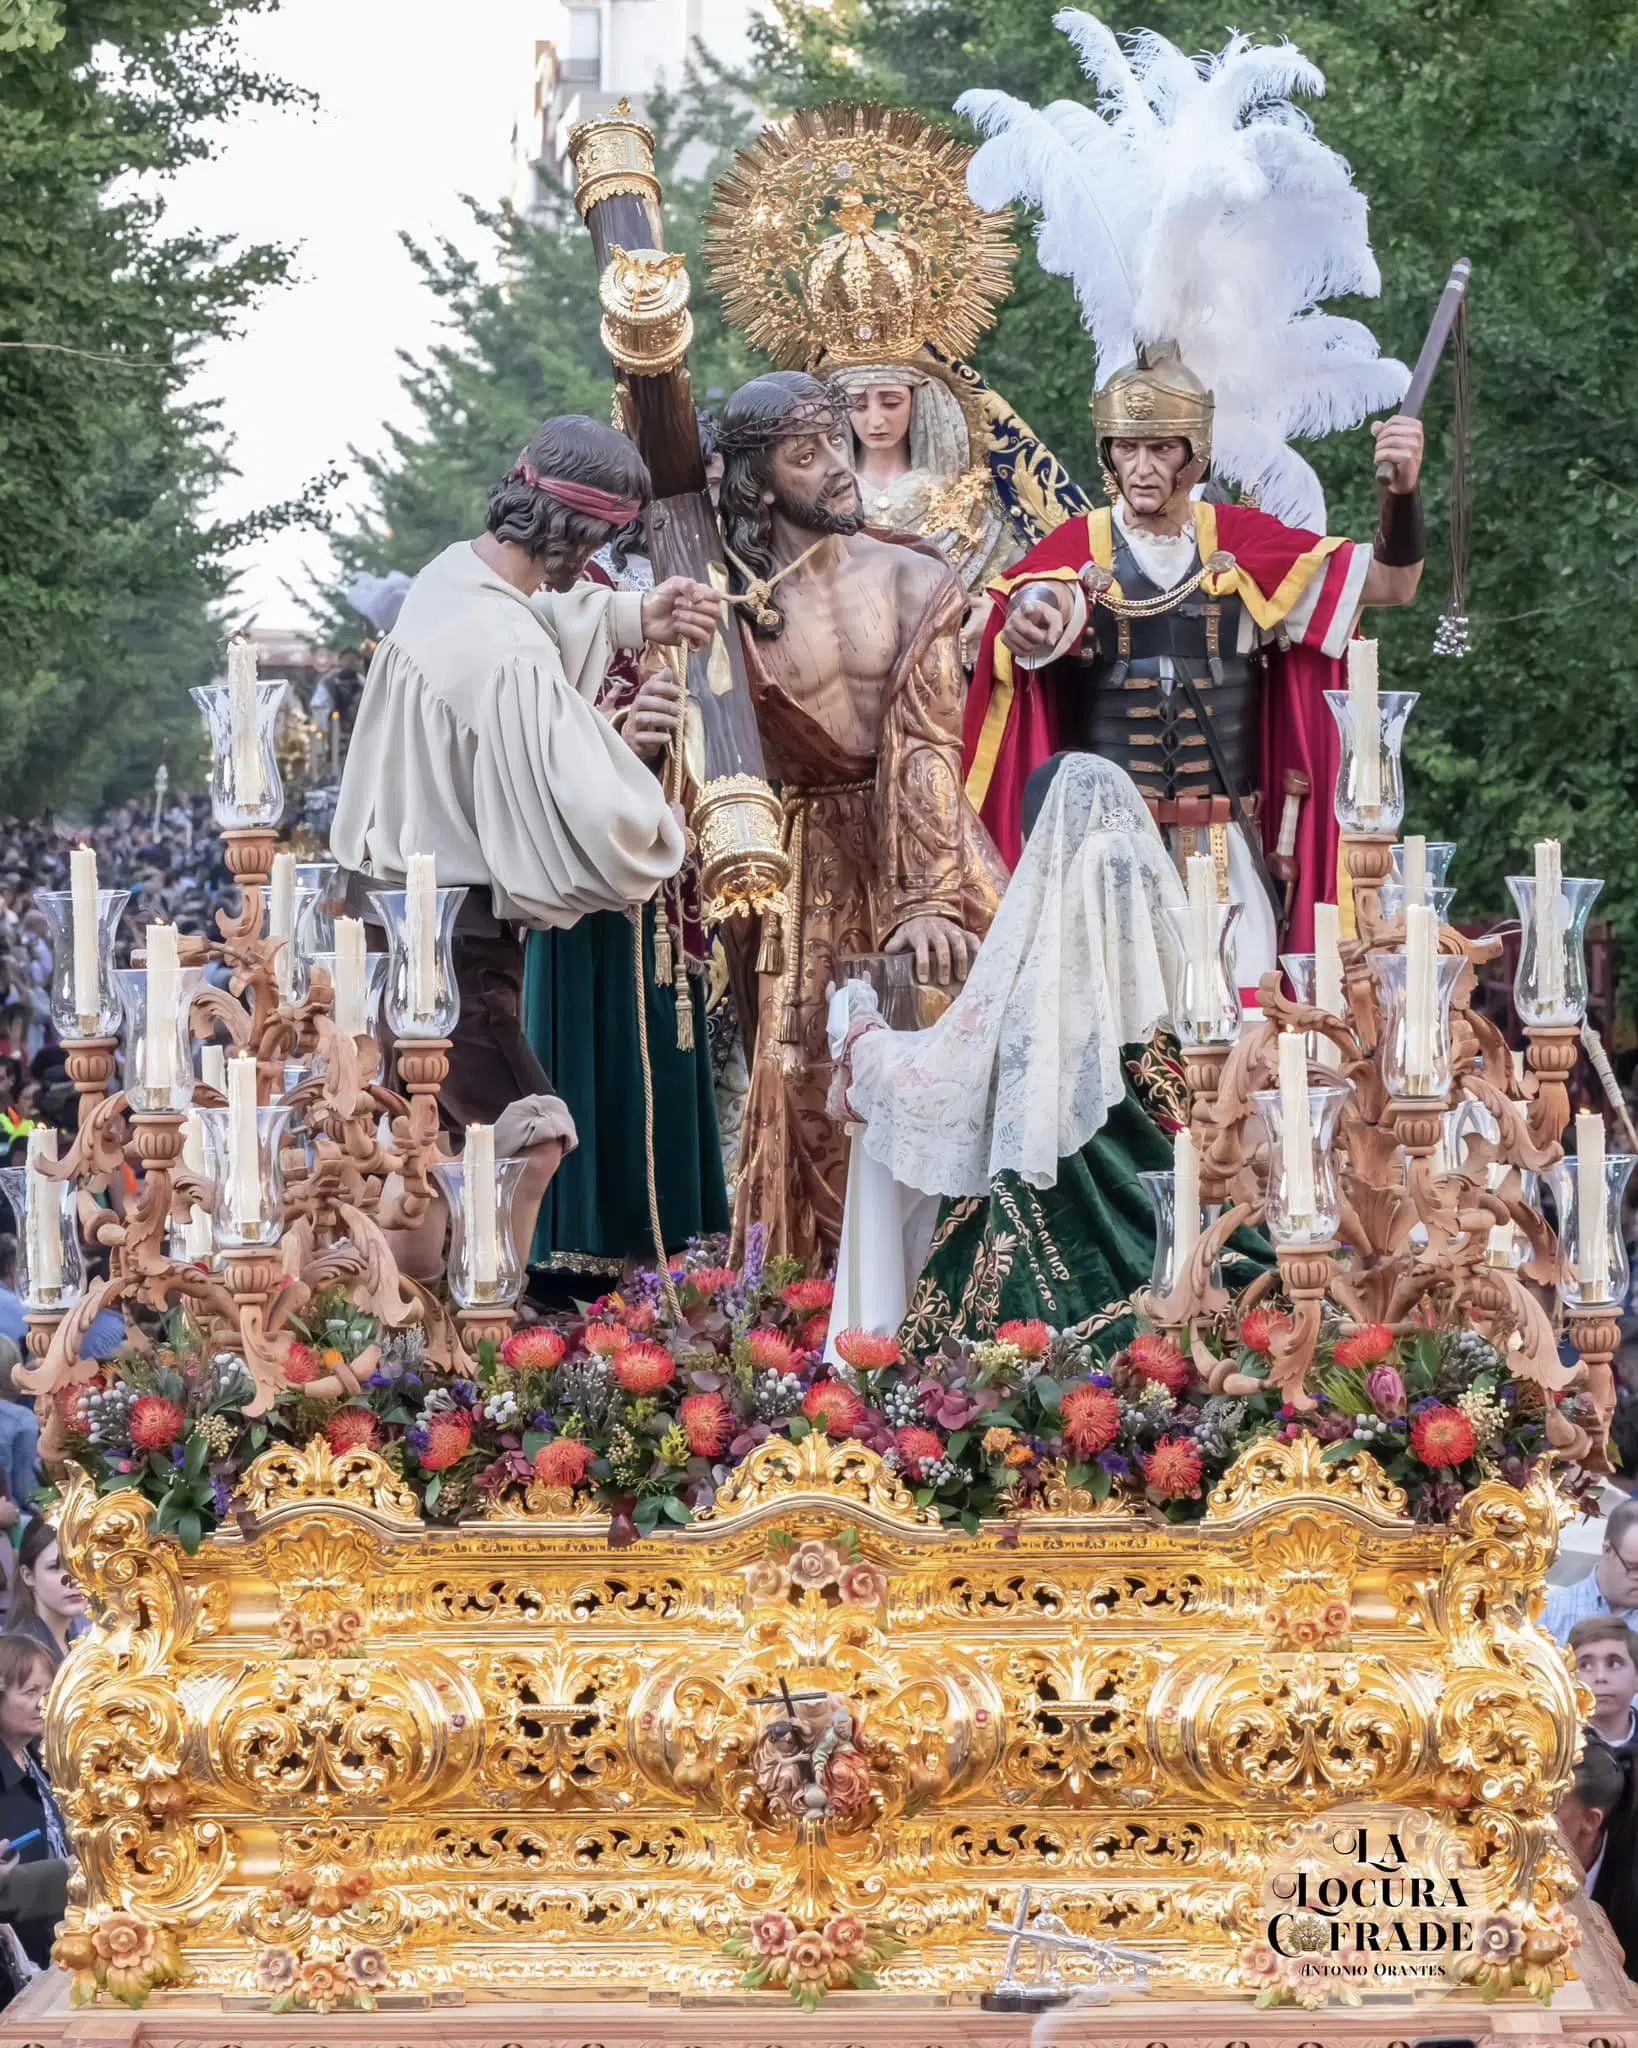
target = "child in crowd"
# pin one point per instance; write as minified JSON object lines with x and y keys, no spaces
{"x":1606,"y":1662}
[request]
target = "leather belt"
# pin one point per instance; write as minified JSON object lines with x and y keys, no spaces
{"x":1197,"y":811}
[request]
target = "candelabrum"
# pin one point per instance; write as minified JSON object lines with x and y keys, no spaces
{"x":1394,"y":1151}
{"x":288,"y":1167}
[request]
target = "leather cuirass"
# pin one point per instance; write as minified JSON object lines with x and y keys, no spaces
{"x":1122,"y":694}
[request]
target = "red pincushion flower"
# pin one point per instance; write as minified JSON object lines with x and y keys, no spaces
{"x":1367,"y":1346}
{"x":352,"y":1429}
{"x":1090,"y":1418}
{"x":536,"y":1350}
{"x":449,"y":1436}
{"x":708,"y":1280}
{"x":835,"y":1409}
{"x":768,"y":1351}
{"x":563,"y":1462}
{"x":868,"y":1350}
{"x":68,"y":1402}
{"x":156,"y":1423}
{"x":1154,"y":1357}
{"x":707,"y":1423}
{"x":807,"y":1297}
{"x":815,"y":1333}
{"x":605,"y":1339}
{"x":1030,"y":1340}
{"x":918,"y":1448}
{"x":301,"y":1364}
{"x":1172,"y":1468}
{"x":644,"y":1368}
{"x":1443,"y":1436}
{"x":1262,"y":1328}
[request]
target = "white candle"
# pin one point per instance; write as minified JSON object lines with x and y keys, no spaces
{"x":43,"y":1220}
{"x":478,"y":1183}
{"x":197,"y":1241}
{"x":350,"y":1014}
{"x":1421,"y":1005}
{"x":249,"y":783}
{"x":281,"y":916}
{"x":1202,"y":880}
{"x":244,"y":1153}
{"x":1592,"y":1207}
{"x":1549,"y":924}
{"x":1328,"y":974}
{"x":82,"y":882}
{"x":164,"y":995}
{"x":1185,"y":1201}
{"x":1296,"y":1137}
{"x":1416,"y":868}
{"x":213,"y":1068}
{"x":1367,"y":723}
{"x":421,"y":933}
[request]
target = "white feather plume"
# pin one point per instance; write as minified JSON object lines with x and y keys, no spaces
{"x":1193,"y":203}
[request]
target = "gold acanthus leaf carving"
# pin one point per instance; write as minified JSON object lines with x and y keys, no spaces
{"x":285,"y":1477}
{"x":1272,"y":1471}
{"x":778,"y":1469}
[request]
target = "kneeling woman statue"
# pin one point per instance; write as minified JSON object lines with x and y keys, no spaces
{"x":1031,"y":1107}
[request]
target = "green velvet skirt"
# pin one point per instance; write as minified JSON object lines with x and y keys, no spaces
{"x":1072,"y":1254}
{"x":580,"y":1012}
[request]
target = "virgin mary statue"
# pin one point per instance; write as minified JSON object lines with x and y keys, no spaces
{"x":996,"y":1155}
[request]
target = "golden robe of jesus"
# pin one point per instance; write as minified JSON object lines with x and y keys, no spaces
{"x":880,"y":831}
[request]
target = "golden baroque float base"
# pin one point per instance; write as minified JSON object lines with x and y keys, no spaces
{"x":339,"y":1758}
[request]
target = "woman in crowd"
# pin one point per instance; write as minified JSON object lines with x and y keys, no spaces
{"x":33,"y":1894}
{"x":46,"y":1605}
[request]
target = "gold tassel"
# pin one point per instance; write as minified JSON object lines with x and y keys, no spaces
{"x":771,"y":958}
{"x":662,"y":942}
{"x":685,"y":1005}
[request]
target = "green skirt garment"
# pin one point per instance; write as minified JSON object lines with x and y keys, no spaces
{"x":580,"y":1011}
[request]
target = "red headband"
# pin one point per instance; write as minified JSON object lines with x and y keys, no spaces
{"x":585,"y":498}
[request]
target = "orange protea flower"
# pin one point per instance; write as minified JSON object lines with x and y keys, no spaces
{"x":640,"y":1318}
{"x":1030,"y":1340}
{"x":68,"y":1402}
{"x":1090,"y":1418}
{"x":918,"y":1448}
{"x":449,"y":1436}
{"x":605,"y":1339}
{"x":807,"y":1297}
{"x":536,"y":1350}
{"x":814,"y":1334}
{"x":1443,"y":1436}
{"x":770,"y":1352}
{"x":708,"y":1280}
{"x":352,"y":1429}
{"x":868,"y":1350}
{"x":301,"y":1364}
{"x":707,"y":1422}
{"x":156,"y":1423}
{"x":835,"y":1409}
{"x":563,"y":1462}
{"x":1262,"y":1328}
{"x":644,"y":1368}
{"x":1368,"y":1346}
{"x":1172,"y":1468}
{"x":1154,"y":1357}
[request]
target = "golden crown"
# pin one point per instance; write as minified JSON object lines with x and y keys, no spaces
{"x":846,"y":235}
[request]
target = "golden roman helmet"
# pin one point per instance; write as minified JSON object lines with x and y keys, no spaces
{"x":1157,"y":398}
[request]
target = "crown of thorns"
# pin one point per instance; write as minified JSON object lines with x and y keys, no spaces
{"x":823,"y":413}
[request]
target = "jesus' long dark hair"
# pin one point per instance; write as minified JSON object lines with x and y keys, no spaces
{"x":768,"y":409}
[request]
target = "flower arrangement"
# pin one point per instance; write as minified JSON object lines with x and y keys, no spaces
{"x":647,"y":1412}
{"x":846,"y":1952}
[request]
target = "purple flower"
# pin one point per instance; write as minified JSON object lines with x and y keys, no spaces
{"x":1114,"y":1464}
{"x":220,"y":1497}
{"x":756,"y":1256}
{"x":416,"y":1439}
{"x":1101,"y":1379}
{"x":1386,"y":1390}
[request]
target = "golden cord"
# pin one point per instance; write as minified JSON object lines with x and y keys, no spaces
{"x":662,"y":1263}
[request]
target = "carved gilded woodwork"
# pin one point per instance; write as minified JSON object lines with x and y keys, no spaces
{"x":339,"y":1741}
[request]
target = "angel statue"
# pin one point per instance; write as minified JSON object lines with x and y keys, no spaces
{"x":844,"y":243}
{"x":995,"y":1160}
{"x":1191,"y":640}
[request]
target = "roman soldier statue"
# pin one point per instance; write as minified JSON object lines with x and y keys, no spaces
{"x":1186,"y":638}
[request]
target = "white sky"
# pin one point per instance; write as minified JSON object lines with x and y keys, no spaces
{"x":417,"y":100}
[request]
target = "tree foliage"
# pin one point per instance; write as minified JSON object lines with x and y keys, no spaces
{"x":109,"y":566}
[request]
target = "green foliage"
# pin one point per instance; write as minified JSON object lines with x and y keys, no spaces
{"x":109,"y":569}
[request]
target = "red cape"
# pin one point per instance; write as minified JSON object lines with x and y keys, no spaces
{"x":1011,"y":722}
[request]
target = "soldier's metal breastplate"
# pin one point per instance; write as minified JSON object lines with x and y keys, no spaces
{"x":1124,"y":698}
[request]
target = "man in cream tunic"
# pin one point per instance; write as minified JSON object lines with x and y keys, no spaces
{"x":477,"y":741}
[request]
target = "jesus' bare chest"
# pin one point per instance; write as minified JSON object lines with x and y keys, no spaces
{"x":840,"y":649}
